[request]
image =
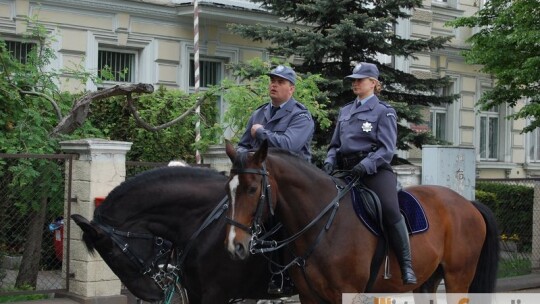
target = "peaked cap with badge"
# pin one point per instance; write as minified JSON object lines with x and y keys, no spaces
{"x":284,"y":72}
{"x":364,"y":70}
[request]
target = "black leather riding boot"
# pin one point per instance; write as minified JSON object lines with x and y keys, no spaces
{"x":399,"y":239}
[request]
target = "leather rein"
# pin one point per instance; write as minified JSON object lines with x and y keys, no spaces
{"x":260,"y":244}
{"x":165,"y":275}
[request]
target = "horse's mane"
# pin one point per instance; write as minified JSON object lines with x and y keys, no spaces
{"x":158,"y":175}
{"x":294,"y":158}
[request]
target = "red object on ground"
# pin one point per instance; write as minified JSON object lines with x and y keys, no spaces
{"x":59,"y":243}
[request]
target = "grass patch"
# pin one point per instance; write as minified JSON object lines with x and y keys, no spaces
{"x":514,"y":267}
{"x":21,"y":297}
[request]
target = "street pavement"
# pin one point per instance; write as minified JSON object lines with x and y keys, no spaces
{"x":527,"y":283}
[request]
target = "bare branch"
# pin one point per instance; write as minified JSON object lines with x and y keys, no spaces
{"x":52,"y":101}
{"x":143,"y":124}
{"x":79,"y":111}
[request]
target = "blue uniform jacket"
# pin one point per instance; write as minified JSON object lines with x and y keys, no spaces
{"x":291,"y":128}
{"x":371,"y":127}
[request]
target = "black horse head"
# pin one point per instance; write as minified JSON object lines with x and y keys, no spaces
{"x":166,"y":215}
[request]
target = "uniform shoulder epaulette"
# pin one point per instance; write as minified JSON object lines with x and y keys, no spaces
{"x":262,"y":106}
{"x":385,"y":104}
{"x":301,"y":106}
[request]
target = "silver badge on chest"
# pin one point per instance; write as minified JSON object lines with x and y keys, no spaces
{"x":366,"y":127}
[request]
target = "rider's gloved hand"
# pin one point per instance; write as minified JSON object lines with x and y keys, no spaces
{"x":328,"y":168}
{"x":359,"y":170}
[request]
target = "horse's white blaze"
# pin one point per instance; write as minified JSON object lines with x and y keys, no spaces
{"x":233,"y":184}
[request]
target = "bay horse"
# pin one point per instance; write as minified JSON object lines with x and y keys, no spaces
{"x":172,"y":216}
{"x":334,"y":249}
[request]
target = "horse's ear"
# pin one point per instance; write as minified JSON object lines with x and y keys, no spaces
{"x":87,"y":227}
{"x":261,"y":154}
{"x":231,"y":151}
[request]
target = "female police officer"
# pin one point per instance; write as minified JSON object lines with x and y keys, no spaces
{"x":364,"y":142}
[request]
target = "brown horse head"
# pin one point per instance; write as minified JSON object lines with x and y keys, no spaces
{"x":247,"y":187}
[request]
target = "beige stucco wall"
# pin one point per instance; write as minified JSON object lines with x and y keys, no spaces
{"x":163,"y":37}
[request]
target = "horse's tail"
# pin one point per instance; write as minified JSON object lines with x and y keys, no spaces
{"x":485,"y":277}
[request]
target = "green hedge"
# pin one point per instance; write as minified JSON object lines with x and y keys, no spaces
{"x":512,"y":205}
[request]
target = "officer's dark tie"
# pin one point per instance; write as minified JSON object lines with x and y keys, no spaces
{"x":273,"y":111}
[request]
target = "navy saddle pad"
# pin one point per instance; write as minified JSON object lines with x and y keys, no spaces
{"x":409,"y":206}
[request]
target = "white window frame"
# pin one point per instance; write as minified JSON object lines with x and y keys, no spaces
{"x":489,"y":153}
{"x":533,"y":146}
{"x":21,"y":42}
{"x":451,"y":124}
{"x":224,"y":54}
{"x":145,"y":70}
{"x":434,"y":124}
{"x":132,"y":73}
{"x":203,"y":60}
{"x":446,"y":3}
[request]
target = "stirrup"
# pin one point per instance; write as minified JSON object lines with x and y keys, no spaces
{"x":273,"y":287}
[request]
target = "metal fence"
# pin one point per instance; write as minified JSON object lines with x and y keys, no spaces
{"x":32,"y":192}
{"x":513,"y":201}
{"x":33,"y":189}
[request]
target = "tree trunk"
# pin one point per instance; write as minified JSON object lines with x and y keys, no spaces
{"x":28,"y":272}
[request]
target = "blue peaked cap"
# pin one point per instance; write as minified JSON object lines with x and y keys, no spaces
{"x":284,"y":72}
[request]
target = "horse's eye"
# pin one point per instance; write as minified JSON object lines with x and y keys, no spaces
{"x":252,"y":190}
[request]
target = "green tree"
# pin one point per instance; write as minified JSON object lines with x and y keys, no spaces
{"x":329,"y":35}
{"x":243,"y":99}
{"x":29,"y":109}
{"x":507,"y":46}
{"x":154,"y":137}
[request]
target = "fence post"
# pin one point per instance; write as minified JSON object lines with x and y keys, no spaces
{"x":217,"y":158}
{"x":99,"y":168}
{"x":408,"y":175}
{"x":535,"y":254}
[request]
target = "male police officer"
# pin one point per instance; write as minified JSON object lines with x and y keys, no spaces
{"x":284,"y":122}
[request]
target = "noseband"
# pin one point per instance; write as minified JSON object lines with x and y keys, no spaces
{"x":167,"y":275}
{"x":163,"y":274}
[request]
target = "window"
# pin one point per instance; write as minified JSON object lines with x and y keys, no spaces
{"x":534,"y":146}
{"x":446,"y":3}
{"x":210,"y":73}
{"x":439,"y":116}
{"x":438,"y":122}
{"x":117,"y":66}
{"x":20,"y":50}
{"x":489,"y":134}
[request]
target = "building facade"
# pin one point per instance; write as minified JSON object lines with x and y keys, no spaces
{"x":153,"y":40}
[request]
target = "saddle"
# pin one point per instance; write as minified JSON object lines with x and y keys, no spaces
{"x":367,"y":207}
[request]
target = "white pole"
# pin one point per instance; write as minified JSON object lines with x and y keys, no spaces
{"x":197,"y":75}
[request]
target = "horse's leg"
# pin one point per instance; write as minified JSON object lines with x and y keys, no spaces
{"x":431,"y":284}
{"x":422,"y":293}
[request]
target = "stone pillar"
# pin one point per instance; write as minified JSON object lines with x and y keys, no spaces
{"x":217,"y":158}
{"x":407,"y":175}
{"x":100,"y":167}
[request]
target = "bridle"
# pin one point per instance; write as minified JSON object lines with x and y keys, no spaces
{"x":260,"y":244}
{"x":161,"y":264}
{"x":168,"y":274}
{"x":265,"y":199}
